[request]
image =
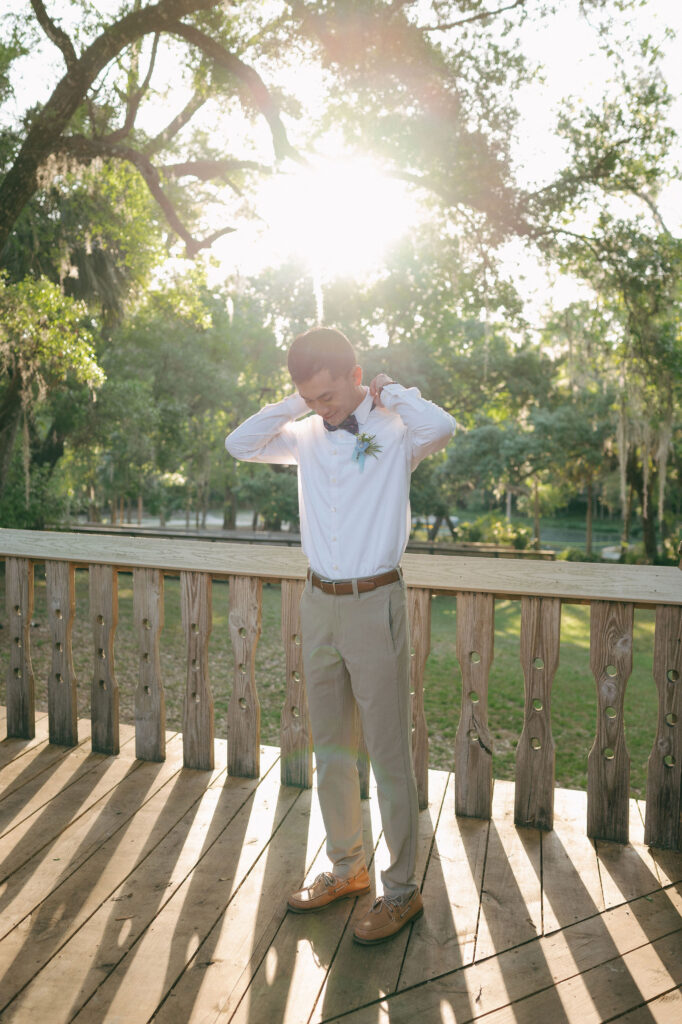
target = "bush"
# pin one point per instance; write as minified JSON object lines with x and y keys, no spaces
{"x":492,"y":529}
{"x":577,"y":555}
{"x":45,"y":507}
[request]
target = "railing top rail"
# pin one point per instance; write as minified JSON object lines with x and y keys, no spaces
{"x":505,"y":578}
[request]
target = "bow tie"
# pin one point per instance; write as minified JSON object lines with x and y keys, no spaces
{"x":350,"y":424}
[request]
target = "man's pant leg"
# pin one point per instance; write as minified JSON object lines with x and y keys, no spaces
{"x":375,"y":646}
{"x":333,"y":712}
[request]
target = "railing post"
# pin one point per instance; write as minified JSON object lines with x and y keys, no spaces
{"x":197,"y":716}
{"x":296,"y":745}
{"x":534,"y":789}
{"x":664,"y":769}
{"x":62,"y":700}
{"x":150,"y":699}
{"x":103,"y":581}
{"x":608,"y":763}
{"x":473,"y":743}
{"x":21,"y":716}
{"x":419,"y":608}
{"x":243,"y":711}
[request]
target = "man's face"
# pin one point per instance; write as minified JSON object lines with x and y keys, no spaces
{"x":332,"y":398}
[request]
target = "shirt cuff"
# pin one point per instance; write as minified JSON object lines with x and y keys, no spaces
{"x":294,"y":405}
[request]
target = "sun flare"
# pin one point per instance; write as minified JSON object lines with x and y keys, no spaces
{"x":338,"y":215}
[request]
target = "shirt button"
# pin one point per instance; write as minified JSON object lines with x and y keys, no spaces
{"x":335,"y":567}
{"x":334,"y":451}
{"x":333,"y":508}
{"x":333,"y":479}
{"x":333,"y":538}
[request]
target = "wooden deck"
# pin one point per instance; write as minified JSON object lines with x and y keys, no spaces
{"x":133,"y":891}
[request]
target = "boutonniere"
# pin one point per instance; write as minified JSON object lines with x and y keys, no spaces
{"x":365,"y":444}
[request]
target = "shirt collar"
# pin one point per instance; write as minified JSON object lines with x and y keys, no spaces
{"x":363,"y":410}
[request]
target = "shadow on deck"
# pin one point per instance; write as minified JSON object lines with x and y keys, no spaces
{"x":132,"y":891}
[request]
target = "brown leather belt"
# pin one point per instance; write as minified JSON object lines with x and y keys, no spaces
{"x":346,"y":586}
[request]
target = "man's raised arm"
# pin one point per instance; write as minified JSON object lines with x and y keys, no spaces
{"x":267,"y":436}
{"x":430,"y":427}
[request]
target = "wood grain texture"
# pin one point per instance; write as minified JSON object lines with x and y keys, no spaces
{"x":644,"y":585}
{"x":243,"y":711}
{"x":473,"y":742}
{"x":608,"y":764}
{"x":295,"y":738}
{"x":419,"y":609}
{"x":535,"y":755}
{"x":21,"y":701}
{"x":197,"y":717}
{"x":664,"y":769}
{"x":62,"y":702}
{"x":150,"y":699}
{"x":103,"y":580}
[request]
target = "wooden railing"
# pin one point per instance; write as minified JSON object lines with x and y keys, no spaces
{"x":613,"y":592}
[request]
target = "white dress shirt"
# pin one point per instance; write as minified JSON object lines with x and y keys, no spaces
{"x":354,"y":522}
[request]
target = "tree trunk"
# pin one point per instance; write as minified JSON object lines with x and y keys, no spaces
{"x":10,"y":416}
{"x":588,"y":523}
{"x":536,"y":516}
{"x":508,"y":511}
{"x":139,"y":510}
{"x":433,"y":530}
{"x":229,"y":509}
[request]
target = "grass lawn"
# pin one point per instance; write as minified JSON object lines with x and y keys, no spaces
{"x":573,"y":704}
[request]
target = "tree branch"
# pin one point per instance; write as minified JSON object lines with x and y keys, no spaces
{"x":161,"y":140}
{"x":86,"y":150}
{"x":54,"y":33}
{"x":135,"y":98}
{"x":481,"y":16}
{"x":207,"y":170}
{"x":248,"y":78}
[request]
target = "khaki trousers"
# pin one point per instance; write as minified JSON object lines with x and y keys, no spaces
{"x":356,"y":652}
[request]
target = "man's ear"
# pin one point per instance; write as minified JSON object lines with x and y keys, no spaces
{"x":356,"y":375}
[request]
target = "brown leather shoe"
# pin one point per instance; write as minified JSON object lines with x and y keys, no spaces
{"x":327,"y":889}
{"x":387,"y":917}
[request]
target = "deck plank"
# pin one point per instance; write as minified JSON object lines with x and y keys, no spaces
{"x":571,"y":883}
{"x":665,"y":1009}
{"x":306,"y":944}
{"x":446,"y":937}
{"x":490,"y":986}
{"x":337,"y":996}
{"x":13,"y":747}
{"x":511,"y":897}
{"x":627,"y":871}
{"x":38,"y":759}
{"x":123,"y":873}
{"x":145,"y":972}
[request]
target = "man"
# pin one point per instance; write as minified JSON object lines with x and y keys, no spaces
{"x":355,"y":457}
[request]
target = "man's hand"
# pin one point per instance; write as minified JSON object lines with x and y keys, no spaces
{"x":379,"y":382}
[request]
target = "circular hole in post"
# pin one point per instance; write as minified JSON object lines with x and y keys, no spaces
{"x":673,"y":675}
{"x":611,"y":670}
{"x":609,"y":753}
{"x":194,"y":664}
{"x":58,"y":677}
{"x":242,"y":631}
{"x":196,"y":698}
{"x":146,"y":624}
{"x":538,"y":663}
{"x":296,"y":676}
{"x":242,"y":668}
{"x":474,"y":657}
{"x":145,"y":656}
{"x":58,"y":646}
{"x":100,"y":620}
{"x":297,"y":639}
{"x":535,"y":743}
{"x":242,"y":703}
{"x":537,"y":704}
{"x":147,"y":690}
{"x":17,"y":673}
{"x":473,"y":697}
{"x":194,"y":627}
{"x":473,"y":735}
{"x":102,"y":684}
{"x":610,"y":712}
{"x":669,"y":761}
{"x":295,"y":712}
{"x":17,"y":609}
{"x":671,"y":718}
{"x":17,"y":641}
{"x":101,"y":653}
{"x":58,"y":613}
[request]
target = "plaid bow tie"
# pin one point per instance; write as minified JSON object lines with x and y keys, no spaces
{"x":350,"y":424}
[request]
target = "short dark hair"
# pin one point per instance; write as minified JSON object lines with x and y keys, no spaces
{"x":322,"y":348}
